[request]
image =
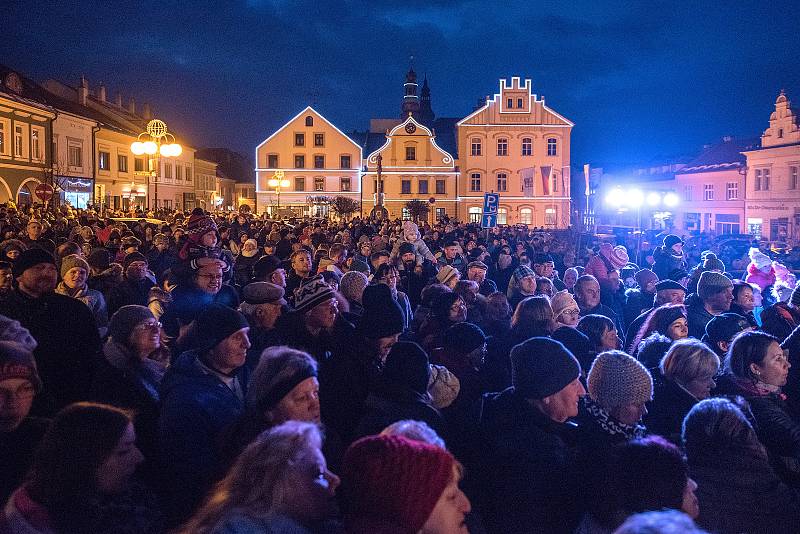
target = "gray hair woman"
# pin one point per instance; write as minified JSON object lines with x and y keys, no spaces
{"x":684,"y":377}
{"x":280,"y":483}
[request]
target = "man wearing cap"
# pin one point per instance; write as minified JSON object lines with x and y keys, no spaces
{"x":476,"y":271}
{"x":721,"y":330}
{"x":667,"y":292}
{"x":526,"y":474}
{"x":714,"y":296}
{"x":262,"y":305}
{"x":202,"y":393}
{"x":64,"y":328}
{"x":20,"y":433}
{"x":524,"y":285}
{"x":451,"y":257}
{"x":135,"y":288}
{"x":669,"y":256}
{"x":269,"y":269}
{"x":448,"y":276}
{"x":544,"y":266}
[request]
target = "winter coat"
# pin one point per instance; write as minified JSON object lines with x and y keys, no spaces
{"x":636,"y":303}
{"x":106,"y":280}
{"x":526,"y":478}
{"x":759,"y":277}
{"x":159,"y":262}
{"x":93,"y":299}
{"x":68,"y":341}
{"x":697,"y":316}
{"x":196,"y":406}
{"x":779,"y":320}
{"x":670,"y":404}
{"x":16,"y":453}
{"x":666,"y":261}
{"x":459,"y":263}
{"x":243,"y":268}
{"x":388,"y":405}
{"x":751,"y":319}
{"x":496,"y":369}
{"x":421,"y":250}
{"x":129,"y":292}
{"x":237,"y":522}
{"x":739,"y":492}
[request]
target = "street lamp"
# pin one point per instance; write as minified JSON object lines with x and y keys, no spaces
{"x":156,"y":142}
{"x":277,"y":182}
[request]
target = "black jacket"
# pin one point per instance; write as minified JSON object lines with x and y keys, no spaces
{"x":697,"y":316}
{"x":669,"y":406}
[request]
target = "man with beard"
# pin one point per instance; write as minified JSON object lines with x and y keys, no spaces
{"x":413,"y":277}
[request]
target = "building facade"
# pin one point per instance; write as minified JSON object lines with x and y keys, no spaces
{"x":772,"y":207}
{"x":25,"y":140}
{"x":205,"y":184}
{"x":316,"y":158}
{"x":518,"y":147}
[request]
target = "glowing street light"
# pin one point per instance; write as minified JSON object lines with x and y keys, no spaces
{"x":671,"y":200}
{"x":653,"y":199}
{"x":277,"y":182}
{"x":156,"y":141}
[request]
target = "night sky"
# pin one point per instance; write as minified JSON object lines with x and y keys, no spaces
{"x":640,"y":80}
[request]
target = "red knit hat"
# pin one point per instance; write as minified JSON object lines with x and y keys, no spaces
{"x":198,"y":225}
{"x":391,"y":480}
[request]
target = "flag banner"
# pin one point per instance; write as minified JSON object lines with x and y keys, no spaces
{"x":527,"y":181}
{"x":546,"y":170}
{"x":586,"y":177}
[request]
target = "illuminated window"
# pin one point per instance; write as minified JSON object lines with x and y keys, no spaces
{"x":527,"y":146}
{"x":138,"y":164}
{"x":319,"y":183}
{"x":104,"y":161}
{"x":502,"y":147}
{"x":18,"y":141}
{"x":526,"y":216}
{"x":441,"y":213}
{"x":502,"y":182}
{"x":2,"y":137}
{"x":122,"y":163}
{"x":168,"y":171}
{"x":475,"y":214}
{"x":406,"y":214}
{"x":475,"y":181}
{"x":476,"y":147}
{"x":36,"y":146}
{"x":552,"y":146}
{"x":550,"y":216}
{"x":502,"y":215}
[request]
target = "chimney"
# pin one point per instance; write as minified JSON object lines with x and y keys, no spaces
{"x":119,"y":99}
{"x":101,"y":92}
{"x":146,"y":112}
{"x":132,"y":106}
{"x":727,"y":139}
{"x":83,"y":91}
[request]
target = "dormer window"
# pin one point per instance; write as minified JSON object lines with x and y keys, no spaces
{"x":780,"y":133}
{"x":309,"y":121}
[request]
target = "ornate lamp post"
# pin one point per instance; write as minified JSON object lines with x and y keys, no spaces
{"x":156,"y":141}
{"x":277,"y":182}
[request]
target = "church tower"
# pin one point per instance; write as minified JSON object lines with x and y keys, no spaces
{"x":426,"y":115}
{"x":410,"y":98}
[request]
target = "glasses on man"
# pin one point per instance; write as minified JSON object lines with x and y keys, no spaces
{"x":149,"y":326}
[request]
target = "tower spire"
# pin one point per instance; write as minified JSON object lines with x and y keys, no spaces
{"x":410,"y":99}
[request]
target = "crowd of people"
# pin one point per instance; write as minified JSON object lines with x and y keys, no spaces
{"x":223,"y":373}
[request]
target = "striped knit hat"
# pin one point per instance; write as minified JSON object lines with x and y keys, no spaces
{"x":313,"y":292}
{"x":198,"y":225}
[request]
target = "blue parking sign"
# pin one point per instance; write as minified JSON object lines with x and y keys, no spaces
{"x":489,"y":220}
{"x":490,"y":203}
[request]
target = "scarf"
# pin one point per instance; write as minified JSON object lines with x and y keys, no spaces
{"x":610,"y":425}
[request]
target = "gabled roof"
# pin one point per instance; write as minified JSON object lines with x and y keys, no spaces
{"x":27,"y":95}
{"x":307,"y":109}
{"x":721,"y":156}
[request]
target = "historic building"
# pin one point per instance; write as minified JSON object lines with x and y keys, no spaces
{"x":516,"y":146}
{"x":772,"y":206}
{"x":205,"y":184}
{"x":25,"y":140}
{"x":315,"y":157}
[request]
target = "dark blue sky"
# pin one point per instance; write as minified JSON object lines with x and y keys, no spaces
{"x":638,"y":79}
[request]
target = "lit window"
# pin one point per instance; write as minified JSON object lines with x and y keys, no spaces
{"x":406,"y":214}
{"x":475,"y":214}
{"x":319,"y":183}
{"x":526,"y":216}
{"x":18,"y":141}
{"x":122,"y":163}
{"x":104,"y":160}
{"x":732,"y":191}
{"x":36,"y":147}
{"x":502,"y":215}
{"x":550,"y":216}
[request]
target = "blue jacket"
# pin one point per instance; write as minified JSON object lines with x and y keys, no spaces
{"x":196,"y":406}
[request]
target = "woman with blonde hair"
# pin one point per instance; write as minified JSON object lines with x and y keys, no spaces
{"x":280,"y":483}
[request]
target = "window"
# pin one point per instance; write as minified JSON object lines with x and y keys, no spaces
{"x":757,"y":181}
{"x":692,"y":221}
{"x":441,"y":213}
{"x":423,"y":186}
{"x":122,"y":162}
{"x":793,"y":171}
{"x":344,"y":183}
{"x":687,"y":193}
{"x":475,"y":181}
{"x":527,"y":146}
{"x":780,"y":133}
{"x":168,"y":171}
{"x":441,"y":189}
{"x":138,"y":164}
{"x":755,"y":227}
{"x":727,"y":223}
{"x":761,"y":182}
{"x":18,"y":141}
{"x":272,"y":161}
{"x":552,"y":146}
{"x":708,"y":191}
{"x":411,"y":153}
{"x":188,"y":173}
{"x":299,"y":161}
{"x":732,"y":191}
{"x":319,"y":162}
{"x":502,"y":182}
{"x":475,"y":214}
{"x":36,"y":145}
{"x":519,"y":103}
{"x":510,"y":103}
{"x":319,"y":183}
{"x":405,"y":187}
{"x":299,"y":139}
{"x":502,"y":215}
{"x":319,"y":139}
{"x":476,"y":146}
{"x":178,"y":172}
{"x":309,"y":121}
{"x":502,"y":147}
{"x":344,"y":161}
{"x":299,"y":183}
{"x":104,"y":161}
{"x":526,"y":216}
{"x":550,"y":217}
{"x":765,"y":180}
{"x":2,"y":137}
{"x":553,"y":182}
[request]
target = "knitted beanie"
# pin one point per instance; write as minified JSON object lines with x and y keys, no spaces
{"x":71,"y":261}
{"x":712,"y":263}
{"x":446,"y":273}
{"x":541,"y":367}
{"x":617,"y":378}
{"x":711,"y":283}
{"x":29,"y":258}
{"x":616,"y":256}
{"x":407,"y":367}
{"x":314,"y":291}
{"x":406,"y":248}
{"x":523,"y":271}
{"x":724,"y":327}
{"x":759,"y":259}
{"x":198,"y":225}
{"x":562,"y":301}
{"x":392,"y":480}
{"x":644,"y":277}
{"x":577,"y":343}
{"x":671,"y":239}
{"x":250,"y":253}
{"x":125,"y":320}
{"x":382,"y":315}
{"x":352,"y":285}
{"x":132,"y":257}
{"x":463,"y":338}
{"x":214,"y":324}
{"x":16,"y":361}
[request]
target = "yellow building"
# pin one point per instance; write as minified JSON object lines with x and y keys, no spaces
{"x":316,"y":158}
{"x":516,"y":146}
{"x":413,"y":167}
{"x":205,"y":183}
